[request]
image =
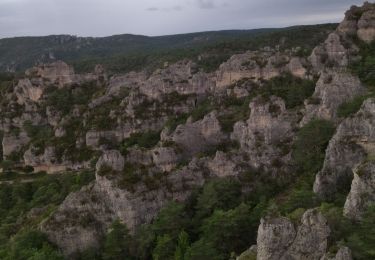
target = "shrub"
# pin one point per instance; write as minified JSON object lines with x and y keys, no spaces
{"x":351,"y":107}
{"x":309,"y":148}
{"x":143,"y":140}
{"x":292,"y":89}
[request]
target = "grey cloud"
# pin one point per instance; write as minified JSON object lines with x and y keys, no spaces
{"x":152,"y":9}
{"x":160,"y":17}
{"x":206,"y":4}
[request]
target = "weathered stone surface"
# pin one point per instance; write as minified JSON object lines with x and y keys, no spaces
{"x":112,"y":159}
{"x":332,"y":89}
{"x":353,"y":141}
{"x":165,"y":158}
{"x":179,"y":77}
{"x":222,"y":165}
{"x":266,"y":135}
{"x":362,"y":192}
{"x":25,"y":90}
{"x":83,"y":218}
{"x":57,"y":72}
{"x":366,"y":24}
{"x":277,"y":238}
{"x":274,"y":237}
{"x":14,"y":143}
{"x":311,"y":240}
{"x":198,"y":136}
{"x":258,"y":65}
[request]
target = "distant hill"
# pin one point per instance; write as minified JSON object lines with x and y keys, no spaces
{"x":126,"y":52}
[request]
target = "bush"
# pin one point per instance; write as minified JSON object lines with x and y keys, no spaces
{"x":117,"y":242}
{"x":365,"y":67}
{"x":309,"y":148}
{"x":351,"y":107}
{"x":142,"y":140}
{"x":292,"y":89}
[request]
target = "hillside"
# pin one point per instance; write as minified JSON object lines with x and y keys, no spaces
{"x":247,"y":148}
{"x":18,"y":54}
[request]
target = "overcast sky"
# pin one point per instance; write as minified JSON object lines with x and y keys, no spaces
{"x":160,"y":17}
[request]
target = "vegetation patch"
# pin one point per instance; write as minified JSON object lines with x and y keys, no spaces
{"x":142,"y":140}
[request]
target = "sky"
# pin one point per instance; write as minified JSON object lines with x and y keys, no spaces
{"x":160,"y":17}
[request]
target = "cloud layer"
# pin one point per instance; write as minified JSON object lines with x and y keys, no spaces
{"x":160,"y":17}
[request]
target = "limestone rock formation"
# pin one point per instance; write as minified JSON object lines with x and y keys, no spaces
{"x":333,"y":88}
{"x":13,"y":143}
{"x":258,"y":65}
{"x":360,"y":22}
{"x":267,"y":134}
{"x":198,"y":136}
{"x":353,"y":142}
{"x":278,"y":239}
{"x":112,"y":159}
{"x":362,"y":192}
{"x":57,"y":72}
{"x":84,"y":217}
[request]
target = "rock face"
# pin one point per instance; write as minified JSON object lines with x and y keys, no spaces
{"x":25,"y":90}
{"x":197,"y":136}
{"x":223,"y":165}
{"x":13,"y":143}
{"x":57,"y":72}
{"x":258,"y":65}
{"x":333,"y":88}
{"x":266,"y":135}
{"x":112,"y":159}
{"x":84,"y":217}
{"x":353,"y":142}
{"x":278,"y":239}
{"x":362,"y":192}
{"x":360,"y":22}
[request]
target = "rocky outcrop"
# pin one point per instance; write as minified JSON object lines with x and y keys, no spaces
{"x":57,"y":72}
{"x":195,"y":137}
{"x":222,"y":165}
{"x":112,"y":159}
{"x":331,"y":53}
{"x":13,"y":143}
{"x":181,"y":77}
{"x":278,"y":239}
{"x":360,"y":22}
{"x":267,"y":134}
{"x":353,"y":142}
{"x":333,"y":88}
{"x":366,"y":25}
{"x":84,"y":217}
{"x":362,"y":192}
{"x":258,"y":65}
{"x":25,"y":91}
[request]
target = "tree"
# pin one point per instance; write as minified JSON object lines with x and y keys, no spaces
{"x":218,"y":194}
{"x":309,"y":148}
{"x":116,"y":245}
{"x":164,"y":249}
{"x":171,"y":220}
{"x":182,"y":246}
{"x":232,"y":226}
